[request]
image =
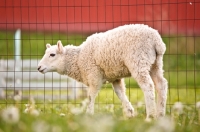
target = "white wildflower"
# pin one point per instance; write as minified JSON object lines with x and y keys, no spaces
{"x":62,"y":114}
{"x":27,"y":108}
{"x":110,"y":108}
{"x":103,"y":124}
{"x":56,"y":129}
{"x":198,"y":108}
{"x":190,"y":3}
{"x":34,"y":112}
{"x":17,"y":98}
{"x":79,"y":110}
{"x":10,"y":115}
{"x":40,"y":126}
{"x":76,"y":111}
{"x":30,"y":108}
{"x":2,"y":94}
{"x":32,"y":101}
{"x":17,"y":95}
{"x":178,"y":108}
{"x":164,"y":124}
{"x":198,"y":105}
{"x":84,"y":103}
{"x":50,"y":101}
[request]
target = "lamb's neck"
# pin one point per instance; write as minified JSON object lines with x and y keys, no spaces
{"x":70,"y":59}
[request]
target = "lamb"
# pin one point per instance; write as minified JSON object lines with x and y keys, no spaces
{"x":134,"y":50}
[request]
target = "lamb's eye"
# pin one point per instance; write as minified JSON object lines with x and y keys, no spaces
{"x":52,"y":55}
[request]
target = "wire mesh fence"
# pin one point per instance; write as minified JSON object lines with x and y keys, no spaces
{"x":26,"y":27}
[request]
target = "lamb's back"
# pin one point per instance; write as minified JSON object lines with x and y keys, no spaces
{"x":110,"y":50}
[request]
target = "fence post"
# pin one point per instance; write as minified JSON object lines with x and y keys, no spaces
{"x":17,"y":46}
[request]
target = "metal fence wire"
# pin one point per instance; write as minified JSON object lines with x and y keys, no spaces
{"x":27,"y":25}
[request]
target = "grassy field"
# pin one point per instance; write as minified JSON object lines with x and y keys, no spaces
{"x":63,"y":115}
{"x":182,"y":70}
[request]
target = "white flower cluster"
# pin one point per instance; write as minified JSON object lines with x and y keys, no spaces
{"x":10,"y":115}
{"x":164,"y":124}
{"x":198,"y":105}
{"x":30,"y":108}
{"x":42,"y":126}
{"x":178,"y":108}
{"x":77,"y":110}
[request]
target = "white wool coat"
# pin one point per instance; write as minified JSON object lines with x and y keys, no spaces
{"x":113,"y":54}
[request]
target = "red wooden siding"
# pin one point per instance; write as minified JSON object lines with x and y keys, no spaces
{"x":167,"y":16}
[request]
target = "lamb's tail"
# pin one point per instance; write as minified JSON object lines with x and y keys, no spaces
{"x":160,"y":49}
{"x":160,"y":82}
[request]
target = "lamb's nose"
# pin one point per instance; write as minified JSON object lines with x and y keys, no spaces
{"x":39,"y":68}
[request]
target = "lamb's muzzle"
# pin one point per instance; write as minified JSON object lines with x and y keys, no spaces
{"x":39,"y":68}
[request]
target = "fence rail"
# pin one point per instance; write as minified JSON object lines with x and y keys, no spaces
{"x":23,"y":75}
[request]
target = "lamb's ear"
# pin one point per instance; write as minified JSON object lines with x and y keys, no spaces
{"x":48,"y":45}
{"x":60,"y":47}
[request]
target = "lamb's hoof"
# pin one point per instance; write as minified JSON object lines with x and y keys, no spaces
{"x":150,"y":118}
{"x":129,"y":113}
{"x":128,"y":110}
{"x":160,"y":114}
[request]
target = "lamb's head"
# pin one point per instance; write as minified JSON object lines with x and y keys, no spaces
{"x":52,"y":58}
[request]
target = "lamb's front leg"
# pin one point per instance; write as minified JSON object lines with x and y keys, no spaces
{"x":120,"y":90}
{"x":93,"y":92}
{"x":94,"y":80}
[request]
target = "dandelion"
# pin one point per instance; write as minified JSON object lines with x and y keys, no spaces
{"x":40,"y":126}
{"x":164,"y":124}
{"x":2,"y":94}
{"x":178,"y":108}
{"x":10,"y":115}
{"x":30,"y":108}
{"x":110,"y":108}
{"x":62,"y":114}
{"x":56,"y":129}
{"x":103,"y":124}
{"x":76,"y":111}
{"x":84,"y":103}
{"x":34,"y":112}
{"x":198,"y":108}
{"x":17,"y":95}
{"x":32,"y":101}
{"x":198,"y":105}
{"x":27,"y":108}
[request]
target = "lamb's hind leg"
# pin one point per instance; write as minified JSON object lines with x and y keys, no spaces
{"x":145,"y":82}
{"x":160,"y":85}
{"x":120,"y":90}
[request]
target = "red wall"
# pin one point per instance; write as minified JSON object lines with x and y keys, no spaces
{"x":167,"y":16}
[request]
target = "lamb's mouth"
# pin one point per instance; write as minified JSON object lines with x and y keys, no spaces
{"x":42,"y":71}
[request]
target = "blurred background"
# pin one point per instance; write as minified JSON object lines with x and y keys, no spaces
{"x":27,"y":25}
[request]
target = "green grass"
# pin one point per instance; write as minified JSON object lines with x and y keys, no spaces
{"x":33,"y":44}
{"x":50,"y":118}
